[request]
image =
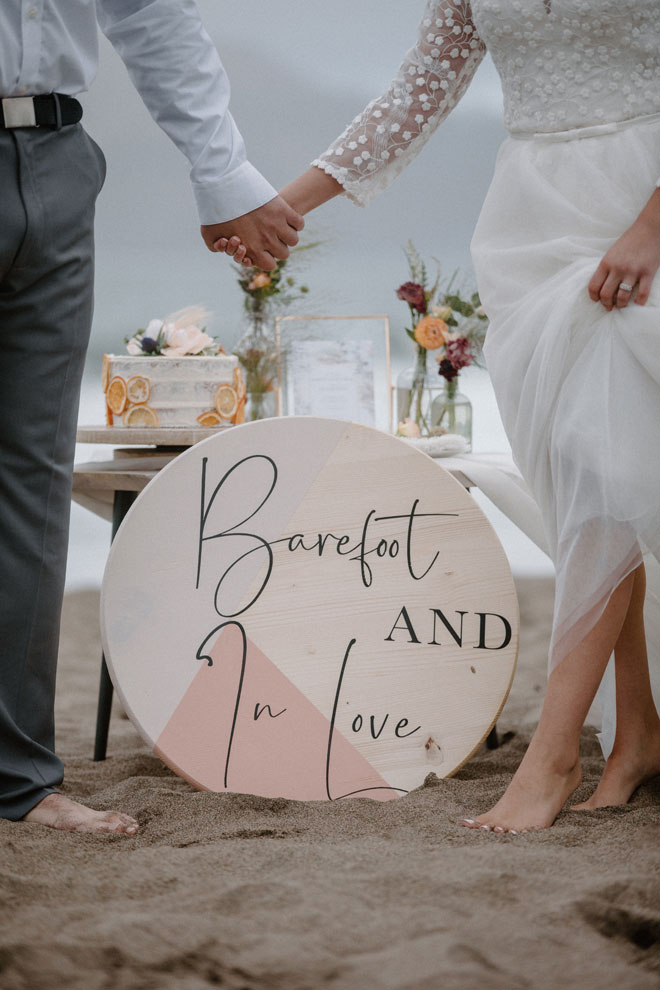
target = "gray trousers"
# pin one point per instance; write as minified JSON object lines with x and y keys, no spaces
{"x":49,"y":181}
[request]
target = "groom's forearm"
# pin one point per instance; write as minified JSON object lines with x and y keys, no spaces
{"x":311,"y":189}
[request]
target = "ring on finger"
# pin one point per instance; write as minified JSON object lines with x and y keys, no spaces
{"x":625,"y":287}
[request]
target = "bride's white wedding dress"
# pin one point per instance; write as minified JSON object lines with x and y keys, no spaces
{"x":578,"y":387}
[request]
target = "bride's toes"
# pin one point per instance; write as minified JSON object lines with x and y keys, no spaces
{"x":496,"y":829}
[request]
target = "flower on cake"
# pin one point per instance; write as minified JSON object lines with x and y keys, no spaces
{"x":185,"y":340}
{"x":181,"y":334}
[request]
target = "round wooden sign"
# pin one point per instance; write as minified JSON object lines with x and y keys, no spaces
{"x":310,"y":609}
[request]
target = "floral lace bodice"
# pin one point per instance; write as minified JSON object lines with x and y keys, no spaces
{"x":563,"y":64}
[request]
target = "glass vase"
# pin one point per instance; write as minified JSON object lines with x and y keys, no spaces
{"x":451,"y":412}
{"x":416,"y":391}
{"x":256,"y":355}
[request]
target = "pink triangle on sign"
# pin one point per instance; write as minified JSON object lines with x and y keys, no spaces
{"x":272,"y":741}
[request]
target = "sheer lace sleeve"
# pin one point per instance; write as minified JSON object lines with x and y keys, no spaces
{"x":391,"y":130}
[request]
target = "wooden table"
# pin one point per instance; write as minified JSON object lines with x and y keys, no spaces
{"x":110,"y":487}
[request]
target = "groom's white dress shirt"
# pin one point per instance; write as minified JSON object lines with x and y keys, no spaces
{"x":52,"y":46}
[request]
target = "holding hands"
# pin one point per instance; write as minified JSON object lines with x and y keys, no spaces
{"x":266,"y":234}
{"x":305,"y":193}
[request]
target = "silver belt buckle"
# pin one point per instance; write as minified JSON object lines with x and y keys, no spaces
{"x":18,"y":111}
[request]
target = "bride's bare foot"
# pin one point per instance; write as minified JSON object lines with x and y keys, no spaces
{"x":533,"y":799}
{"x":58,"y":811}
{"x":624,"y":772}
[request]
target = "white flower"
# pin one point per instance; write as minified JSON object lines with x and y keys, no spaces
{"x":133,"y":347}
{"x":153,"y":328}
{"x":442,"y":312}
{"x":185,"y":340}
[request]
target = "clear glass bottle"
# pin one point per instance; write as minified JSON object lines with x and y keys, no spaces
{"x":416,"y":390}
{"x":256,"y":354}
{"x":451,"y":412}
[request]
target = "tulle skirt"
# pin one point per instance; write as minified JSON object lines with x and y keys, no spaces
{"x":578,"y":388}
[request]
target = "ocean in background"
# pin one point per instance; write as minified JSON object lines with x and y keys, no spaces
{"x":90,"y":535}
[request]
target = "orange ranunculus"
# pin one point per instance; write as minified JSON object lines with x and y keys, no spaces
{"x":431,"y":332}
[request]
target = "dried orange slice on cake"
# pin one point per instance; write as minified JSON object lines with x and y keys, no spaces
{"x":209,"y":418}
{"x":226,"y":401}
{"x":138,"y":389}
{"x":116,"y":395}
{"x":140,"y":416}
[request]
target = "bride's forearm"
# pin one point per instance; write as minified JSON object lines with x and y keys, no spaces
{"x":310,"y":190}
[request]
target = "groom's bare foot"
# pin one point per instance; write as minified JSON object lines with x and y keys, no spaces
{"x":58,"y":811}
{"x":532,"y":800}
{"x":624,"y":772}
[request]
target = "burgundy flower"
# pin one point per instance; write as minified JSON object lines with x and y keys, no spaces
{"x":459,"y":352}
{"x":447,"y":369}
{"x":149,"y":345}
{"x":413,"y":294}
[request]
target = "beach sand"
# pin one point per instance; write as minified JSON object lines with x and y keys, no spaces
{"x":235,"y":891}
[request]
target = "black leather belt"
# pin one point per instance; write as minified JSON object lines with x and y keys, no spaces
{"x":53,"y":110}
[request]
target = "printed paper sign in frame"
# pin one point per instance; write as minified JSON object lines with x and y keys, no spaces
{"x":335,"y":366}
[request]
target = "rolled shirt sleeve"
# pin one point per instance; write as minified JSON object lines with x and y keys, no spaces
{"x":177,"y":71}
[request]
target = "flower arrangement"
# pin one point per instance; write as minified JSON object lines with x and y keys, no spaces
{"x":263,"y":290}
{"x":181,"y":334}
{"x":442,"y":320}
{"x":256,"y":351}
